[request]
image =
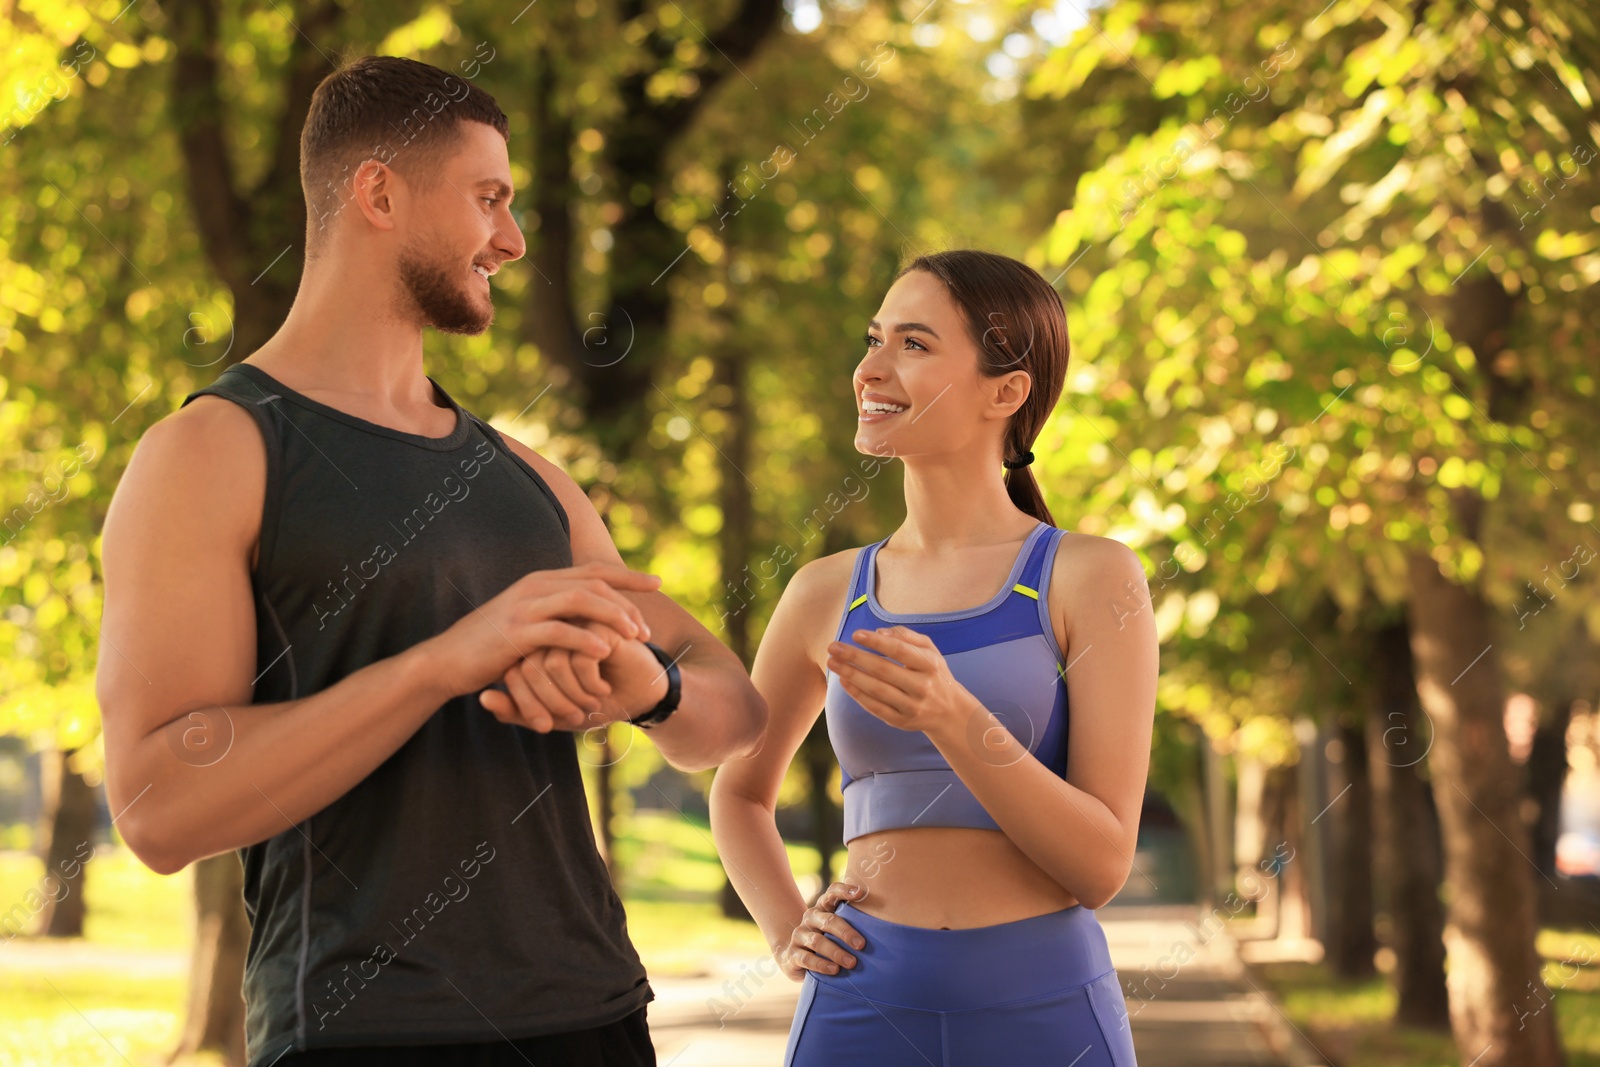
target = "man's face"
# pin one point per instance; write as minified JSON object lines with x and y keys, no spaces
{"x":468,"y":225}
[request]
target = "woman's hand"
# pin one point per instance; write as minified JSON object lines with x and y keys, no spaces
{"x":549,"y":691}
{"x":809,"y":949}
{"x":554,"y":689}
{"x":908,"y":686}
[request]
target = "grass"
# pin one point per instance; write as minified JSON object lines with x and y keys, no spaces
{"x":1349,"y":1021}
{"x":116,"y":996}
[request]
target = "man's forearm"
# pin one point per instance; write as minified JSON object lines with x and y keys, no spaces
{"x":720,"y":715}
{"x":280,"y":763}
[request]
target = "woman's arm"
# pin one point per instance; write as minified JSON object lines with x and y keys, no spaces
{"x":744,"y":794}
{"x":1081,"y":831}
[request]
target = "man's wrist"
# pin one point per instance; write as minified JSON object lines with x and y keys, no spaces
{"x":422,"y":675}
{"x":670,"y":687}
{"x":656,"y":693}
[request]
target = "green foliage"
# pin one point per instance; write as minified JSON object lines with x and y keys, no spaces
{"x":1270,"y":232}
{"x":1282,"y":238}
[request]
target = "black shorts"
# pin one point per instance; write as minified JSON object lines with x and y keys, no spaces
{"x":624,"y":1043}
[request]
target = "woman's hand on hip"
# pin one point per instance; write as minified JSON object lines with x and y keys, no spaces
{"x":810,"y":948}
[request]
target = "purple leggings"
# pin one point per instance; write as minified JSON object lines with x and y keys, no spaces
{"x":1030,"y":993}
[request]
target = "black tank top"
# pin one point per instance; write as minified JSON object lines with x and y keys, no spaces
{"x":456,"y":893}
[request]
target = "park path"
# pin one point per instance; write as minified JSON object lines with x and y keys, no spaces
{"x":1191,"y":1001}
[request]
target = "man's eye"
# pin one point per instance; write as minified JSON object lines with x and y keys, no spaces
{"x":492,"y":199}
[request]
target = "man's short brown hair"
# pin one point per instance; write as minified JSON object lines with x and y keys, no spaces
{"x":401,"y":112}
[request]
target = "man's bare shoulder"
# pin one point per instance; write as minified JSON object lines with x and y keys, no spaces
{"x":208,"y":452}
{"x":209,"y":435}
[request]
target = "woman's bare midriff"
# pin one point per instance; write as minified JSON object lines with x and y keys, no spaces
{"x":949,"y":877}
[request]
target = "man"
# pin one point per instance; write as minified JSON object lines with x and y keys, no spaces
{"x":319,"y":571}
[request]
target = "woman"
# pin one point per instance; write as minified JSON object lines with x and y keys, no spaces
{"x":983,"y":823}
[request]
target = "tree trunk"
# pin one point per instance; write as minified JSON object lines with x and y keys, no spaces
{"x":1257,"y":834}
{"x":1500,"y":1010}
{"x":1274,"y":816}
{"x":735,"y":497}
{"x":69,"y":806}
{"x":1220,"y":876}
{"x":1351,"y":941}
{"x":1406,"y":826}
{"x":1547,"y":776}
{"x":827,"y":824}
{"x":1189,"y":806}
{"x":614,"y":391}
{"x":1294,"y":882}
{"x":730,"y":393}
{"x":215,"y":1017}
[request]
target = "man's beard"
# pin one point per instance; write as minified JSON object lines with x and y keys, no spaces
{"x":441,"y":294}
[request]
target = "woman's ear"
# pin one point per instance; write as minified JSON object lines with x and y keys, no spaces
{"x":1008,"y":392}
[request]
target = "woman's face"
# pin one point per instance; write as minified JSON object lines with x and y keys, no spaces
{"x":921,"y":360}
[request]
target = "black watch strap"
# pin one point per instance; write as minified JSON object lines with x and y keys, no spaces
{"x":669,"y":703}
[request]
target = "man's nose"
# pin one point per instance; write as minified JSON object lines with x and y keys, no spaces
{"x":509,"y":240}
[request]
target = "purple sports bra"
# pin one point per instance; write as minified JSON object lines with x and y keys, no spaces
{"x":1003,"y":651}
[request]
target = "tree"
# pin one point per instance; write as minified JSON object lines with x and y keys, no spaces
{"x":1408,"y":847}
{"x":1374,"y":395}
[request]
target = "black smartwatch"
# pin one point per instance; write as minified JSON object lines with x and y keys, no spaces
{"x":669,"y":703}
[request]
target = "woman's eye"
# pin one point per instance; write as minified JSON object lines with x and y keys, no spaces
{"x":871,"y":340}
{"x":914,"y":341}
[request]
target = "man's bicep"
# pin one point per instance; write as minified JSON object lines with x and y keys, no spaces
{"x":178,"y":630}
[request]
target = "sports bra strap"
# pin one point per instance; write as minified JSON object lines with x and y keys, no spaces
{"x":1030,"y":583}
{"x":858,"y":579}
{"x":857,"y":595}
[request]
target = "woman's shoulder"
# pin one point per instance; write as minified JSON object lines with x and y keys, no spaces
{"x":824,"y":580}
{"x":814,"y":600}
{"x":1092,"y":573}
{"x":1081,"y":555}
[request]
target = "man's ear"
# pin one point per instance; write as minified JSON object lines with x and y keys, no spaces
{"x":1008,"y":392}
{"x":373,"y":188}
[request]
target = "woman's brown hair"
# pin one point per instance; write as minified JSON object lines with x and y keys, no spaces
{"x":1016,"y":320}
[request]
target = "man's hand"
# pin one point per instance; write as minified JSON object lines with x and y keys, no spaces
{"x":554,"y":688}
{"x":577,"y":608}
{"x":559,"y":689}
